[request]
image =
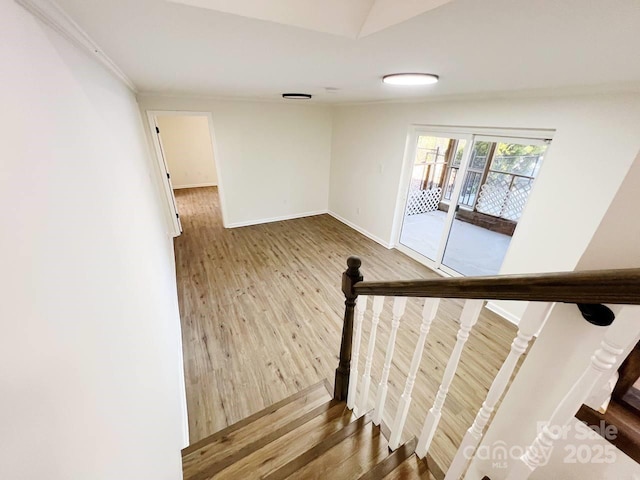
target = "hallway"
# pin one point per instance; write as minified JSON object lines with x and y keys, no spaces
{"x":261,"y":311}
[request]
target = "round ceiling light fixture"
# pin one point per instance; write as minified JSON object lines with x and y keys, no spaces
{"x":296,"y":96}
{"x":410,"y":79}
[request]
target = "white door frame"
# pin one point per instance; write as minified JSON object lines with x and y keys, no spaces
{"x":470,"y":134}
{"x":163,"y":169}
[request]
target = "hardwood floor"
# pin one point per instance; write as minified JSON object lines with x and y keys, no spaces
{"x":261,"y":311}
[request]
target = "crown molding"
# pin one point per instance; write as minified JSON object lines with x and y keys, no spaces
{"x":606,"y":89}
{"x":276,"y":99}
{"x":610,"y":89}
{"x":55,"y":17}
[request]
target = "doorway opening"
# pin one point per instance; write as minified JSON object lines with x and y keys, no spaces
{"x":184,"y":146}
{"x":464,"y":196}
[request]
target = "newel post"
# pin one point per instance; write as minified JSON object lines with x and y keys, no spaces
{"x":349,"y":278}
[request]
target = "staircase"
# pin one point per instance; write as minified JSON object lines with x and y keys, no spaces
{"x":306,"y":436}
{"x":326,"y":432}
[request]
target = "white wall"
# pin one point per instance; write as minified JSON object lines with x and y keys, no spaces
{"x":596,"y":140}
{"x":561,"y":353}
{"x":188,"y":150}
{"x":90,"y":355}
{"x":272,"y":158}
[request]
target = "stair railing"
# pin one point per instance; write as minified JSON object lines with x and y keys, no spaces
{"x":589,"y":290}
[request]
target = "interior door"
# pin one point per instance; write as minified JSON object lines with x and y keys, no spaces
{"x":166,"y":171}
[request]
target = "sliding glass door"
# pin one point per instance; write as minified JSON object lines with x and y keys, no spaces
{"x":425,"y":221}
{"x":463,"y":204}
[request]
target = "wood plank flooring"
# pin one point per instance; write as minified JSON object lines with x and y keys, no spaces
{"x":261,"y":311}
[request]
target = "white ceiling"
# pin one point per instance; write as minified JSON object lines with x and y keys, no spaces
{"x":477,"y":47}
{"x":354,"y":18}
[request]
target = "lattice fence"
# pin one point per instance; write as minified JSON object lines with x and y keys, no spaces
{"x":516,"y":201}
{"x":423,"y":201}
{"x":500,"y":199}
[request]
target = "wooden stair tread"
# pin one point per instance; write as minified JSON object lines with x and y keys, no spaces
{"x":393,"y":461}
{"x":357,"y":452}
{"x":626,"y":421}
{"x":411,"y":468}
{"x":285,"y":448}
{"x":252,"y":432}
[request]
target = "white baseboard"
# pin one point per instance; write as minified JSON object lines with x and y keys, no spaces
{"x":195,"y":185}
{"x":508,"y":316}
{"x":361,"y":230}
{"x":275,"y":219}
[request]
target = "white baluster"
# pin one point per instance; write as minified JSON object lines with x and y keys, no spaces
{"x":428,"y":314}
{"x":468,"y":319}
{"x":529,"y":324}
{"x":624,"y":329}
{"x":361,"y":308}
{"x":378,"y":303}
{"x":399,"y":305}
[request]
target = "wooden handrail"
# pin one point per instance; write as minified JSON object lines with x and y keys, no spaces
{"x":588,"y":289}
{"x":594,"y":286}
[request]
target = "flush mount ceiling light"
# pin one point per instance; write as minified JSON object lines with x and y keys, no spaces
{"x":410,"y":79}
{"x":296,"y":96}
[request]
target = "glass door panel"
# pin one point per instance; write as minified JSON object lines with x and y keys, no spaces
{"x":425,"y":216}
{"x":494,"y":194}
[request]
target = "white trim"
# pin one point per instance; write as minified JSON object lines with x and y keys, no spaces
{"x":55,"y":17}
{"x":183,"y":400}
{"x":402,"y":198}
{"x":430,"y":264}
{"x":415,"y":131}
{"x":276,"y":219}
{"x":180,"y":113}
{"x":498,"y":310}
{"x":181,"y":376}
{"x":218,"y":166}
{"x":361,"y":230}
{"x":464,"y":131}
{"x":455,"y":197}
{"x":618,"y":88}
{"x":517,"y":140}
{"x":450,"y":271}
{"x":195,"y":185}
{"x":183,"y":406}
{"x":236,"y":98}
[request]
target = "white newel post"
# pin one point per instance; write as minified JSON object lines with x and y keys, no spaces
{"x":428,"y":314}
{"x":378,"y":303}
{"x":361,"y":308}
{"x":468,"y":319}
{"x":399,"y":305}
{"x":530,"y":323}
{"x":625,"y":329}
